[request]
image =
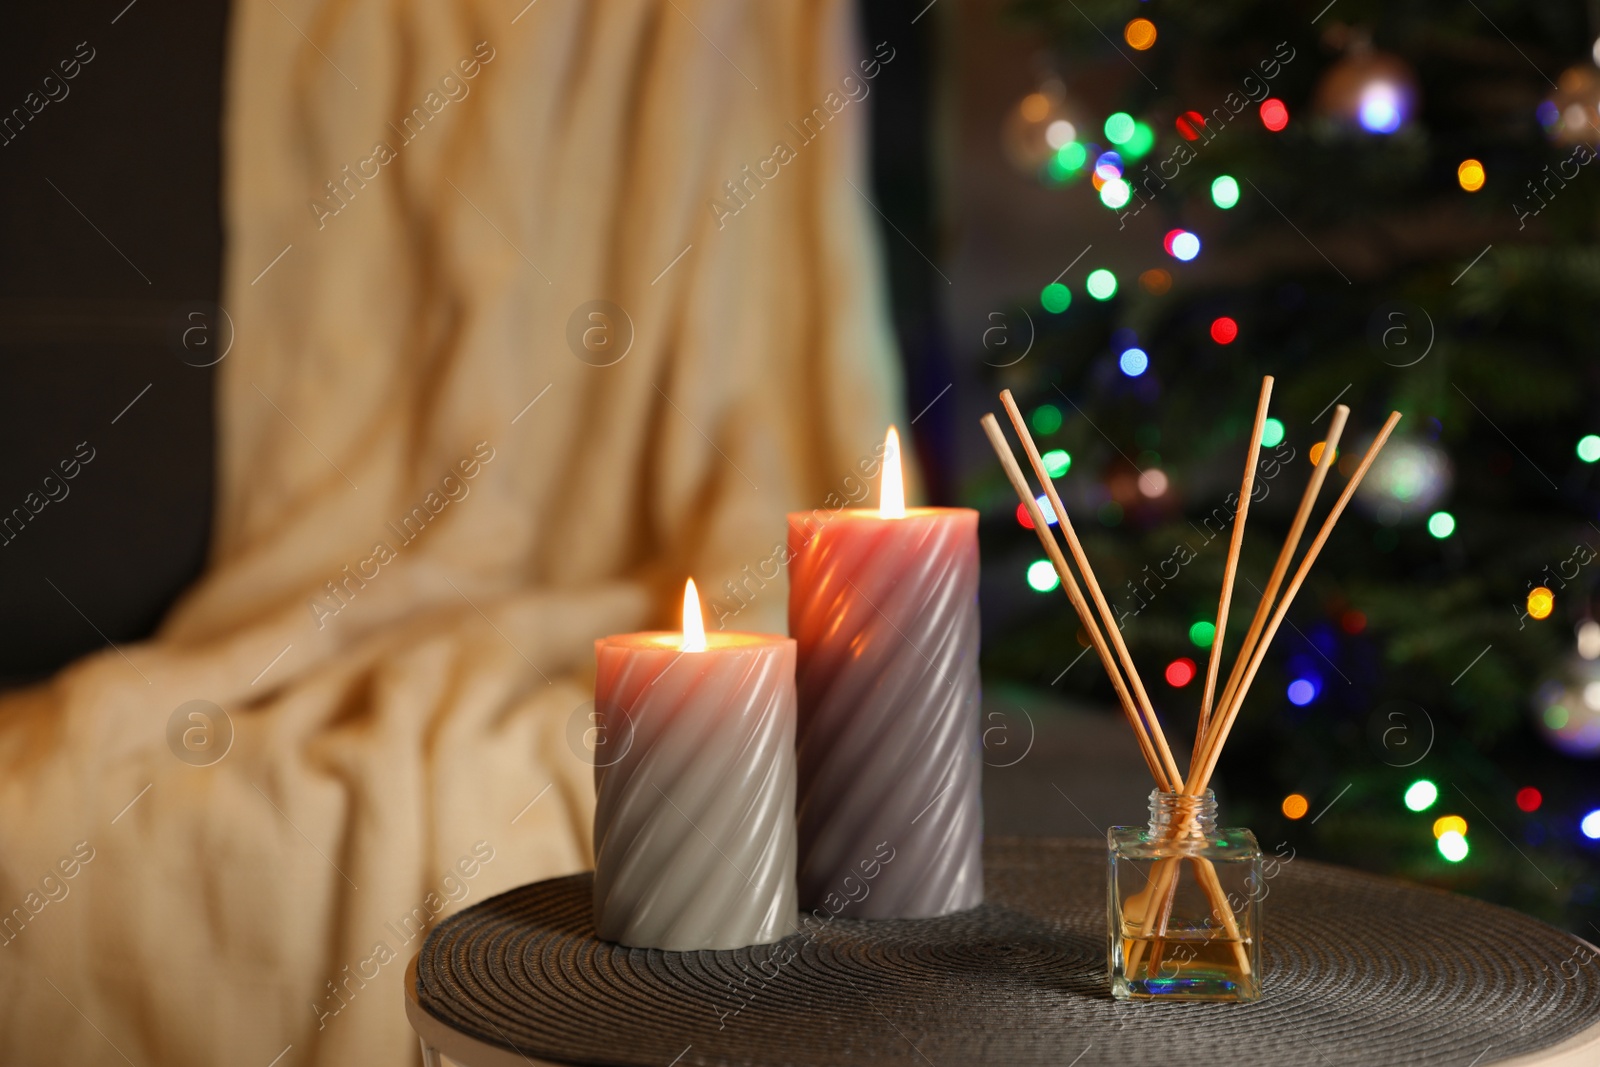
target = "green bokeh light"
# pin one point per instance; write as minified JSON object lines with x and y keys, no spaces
{"x":1102,"y":284}
{"x":1136,"y":147}
{"x":1202,"y":633}
{"x":1421,"y":794}
{"x":1042,"y":577}
{"x":1120,"y":128}
{"x":1271,"y":433}
{"x":1046,"y":419}
{"x":1441,"y":524}
{"x":1055,"y":297}
{"x":1224,"y":192}
{"x":1056,"y":462}
{"x":1589,"y":448}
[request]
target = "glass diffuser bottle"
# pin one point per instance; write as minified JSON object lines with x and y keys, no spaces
{"x":1184,"y":905}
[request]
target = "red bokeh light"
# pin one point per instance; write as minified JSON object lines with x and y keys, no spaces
{"x":1274,"y":114}
{"x":1224,"y":330}
{"x":1180,"y":672}
{"x":1172,"y":235}
{"x":1529,"y":798}
{"x":1189,"y":124}
{"x":1352,"y":622}
{"x":1023,"y":517}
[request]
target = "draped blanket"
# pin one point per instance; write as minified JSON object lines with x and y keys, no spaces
{"x":537,"y":310}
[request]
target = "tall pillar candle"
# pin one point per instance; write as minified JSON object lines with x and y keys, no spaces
{"x":884,"y":605}
{"x":694,"y":835}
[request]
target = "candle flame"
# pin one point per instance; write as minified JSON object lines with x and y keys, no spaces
{"x":694,"y":624}
{"x":892,"y":490}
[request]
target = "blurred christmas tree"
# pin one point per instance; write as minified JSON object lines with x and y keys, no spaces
{"x":1386,"y":205}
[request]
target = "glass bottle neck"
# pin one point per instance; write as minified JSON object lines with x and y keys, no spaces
{"x":1179,"y":814}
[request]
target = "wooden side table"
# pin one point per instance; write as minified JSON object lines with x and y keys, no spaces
{"x":1359,"y":970}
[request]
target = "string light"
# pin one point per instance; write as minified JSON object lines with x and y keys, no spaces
{"x":1140,"y":34}
{"x":1382,"y":108}
{"x":1046,"y":419}
{"x":1055,"y":298}
{"x":1295,"y":806}
{"x":1444,"y":824}
{"x":1153,"y":483}
{"x":1042,"y":576}
{"x":1056,"y":462}
{"x":1529,"y":799}
{"x":1224,"y":192}
{"x":1441,"y":524}
{"x":1119,"y":128}
{"x":1274,"y":114}
{"x":1541,"y":602}
{"x":1101,"y":284}
{"x":1223,"y":330}
{"x":1453,"y":847}
{"x":1180,"y":672}
{"x":1143,"y":139}
{"x":1133,"y":362}
{"x":1272,"y":433}
{"x":1589,"y":448}
{"x":1421,"y":794}
{"x":1108,"y":165}
{"x":1470,"y":175}
{"x":1202,"y":633}
{"x":1314,"y":453}
{"x":1302,"y":691}
{"x":1181,"y":244}
{"x":1189,"y":125}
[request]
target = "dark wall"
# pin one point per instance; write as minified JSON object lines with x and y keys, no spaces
{"x":110,"y":246}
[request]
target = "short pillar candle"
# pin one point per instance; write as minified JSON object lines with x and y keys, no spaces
{"x":694,"y":836}
{"x":884,"y":605}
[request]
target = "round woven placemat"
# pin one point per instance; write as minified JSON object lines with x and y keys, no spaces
{"x":1359,"y":970}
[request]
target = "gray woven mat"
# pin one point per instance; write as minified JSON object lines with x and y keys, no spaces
{"x":1359,"y":970}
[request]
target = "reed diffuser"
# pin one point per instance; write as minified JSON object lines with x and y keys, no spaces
{"x":1183,"y":901}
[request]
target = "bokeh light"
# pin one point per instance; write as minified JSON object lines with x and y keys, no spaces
{"x":1444,"y":824}
{"x":1056,"y":462}
{"x":1274,"y":114}
{"x":1034,"y":107}
{"x":1189,"y":125}
{"x":1042,"y":577}
{"x":1271,"y":433}
{"x":1382,"y":108}
{"x":1140,"y":34}
{"x":1202,"y":633}
{"x":1055,"y":298}
{"x":1421,"y":794}
{"x":1045,"y":509}
{"x":1470,"y":175}
{"x":1181,"y":244}
{"x":1133,"y":362}
{"x":1541,"y":602}
{"x":1119,"y":127}
{"x":1529,"y":798}
{"x":1224,"y":330}
{"x":1143,"y":139}
{"x":1302,"y":691}
{"x":1180,"y":672}
{"x":1156,"y":282}
{"x":1591,"y":825}
{"x":1441,"y":524}
{"x":1295,"y":806}
{"x":1101,"y":284}
{"x":1314,"y":453}
{"x":1589,"y":448}
{"x":1353,"y":622}
{"x":1115,"y":194}
{"x":1224,"y":191}
{"x":1046,"y":419}
{"x":1589,"y":639}
{"x":1453,"y":847}
{"x":1153,"y":482}
{"x":1108,"y":165}
{"x":1060,"y":133}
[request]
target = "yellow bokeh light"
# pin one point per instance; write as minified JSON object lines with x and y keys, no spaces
{"x":1445,"y":823}
{"x":1470,"y":174}
{"x":1034,"y":107}
{"x":1541,"y":602}
{"x":1315,"y":452}
{"x":1295,"y":806}
{"x":1140,"y":34}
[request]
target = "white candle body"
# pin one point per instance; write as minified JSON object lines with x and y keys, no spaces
{"x":694,"y":833}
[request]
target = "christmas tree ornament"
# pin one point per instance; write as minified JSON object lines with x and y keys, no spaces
{"x":1038,"y":131}
{"x":1367,"y":89}
{"x":1571,"y":115}
{"x":1411,"y":476}
{"x":1567,"y":708}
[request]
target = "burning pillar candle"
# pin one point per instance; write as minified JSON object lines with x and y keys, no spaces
{"x":694,"y":837}
{"x":885,"y":607}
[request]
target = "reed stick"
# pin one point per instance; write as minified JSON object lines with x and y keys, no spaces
{"x":1280,"y":569}
{"x":1202,"y":770}
{"x":1174,"y":776}
{"x":1230,"y":570}
{"x":1069,"y":584}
